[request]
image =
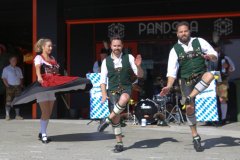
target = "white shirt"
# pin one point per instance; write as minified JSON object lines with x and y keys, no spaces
{"x":39,"y":60}
{"x":117,"y":63}
{"x":173,"y":64}
{"x":13,"y":75}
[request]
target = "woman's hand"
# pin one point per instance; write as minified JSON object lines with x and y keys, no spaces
{"x":40,"y":80}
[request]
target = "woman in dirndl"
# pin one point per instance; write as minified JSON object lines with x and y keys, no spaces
{"x":49,"y":82}
{"x":47,"y":70}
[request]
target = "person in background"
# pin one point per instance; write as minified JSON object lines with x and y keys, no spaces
{"x":187,"y":62}
{"x":106,"y":47}
{"x":98,"y":63}
{"x":226,"y":66}
{"x":13,"y":80}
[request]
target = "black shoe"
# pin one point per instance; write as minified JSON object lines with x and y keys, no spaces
{"x":40,"y":137}
{"x":123,"y":124}
{"x":186,"y":101}
{"x":118,"y":148}
{"x":162,"y":123}
{"x":197,"y":144}
{"x":103,"y":125}
{"x":45,"y":139}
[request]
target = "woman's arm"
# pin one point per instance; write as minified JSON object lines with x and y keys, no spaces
{"x":38,"y":73}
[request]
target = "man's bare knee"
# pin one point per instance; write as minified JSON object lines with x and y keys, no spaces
{"x":190,"y":110}
{"x":124,"y":99}
{"x":208,"y":76}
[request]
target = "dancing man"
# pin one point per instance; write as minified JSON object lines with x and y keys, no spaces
{"x":187,"y":62}
{"x":118,"y":68}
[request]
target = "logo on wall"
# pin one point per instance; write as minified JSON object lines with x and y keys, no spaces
{"x":223,"y":26}
{"x":116,"y":29}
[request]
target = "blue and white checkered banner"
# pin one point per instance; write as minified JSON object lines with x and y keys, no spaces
{"x":97,"y":109}
{"x":206,"y":104}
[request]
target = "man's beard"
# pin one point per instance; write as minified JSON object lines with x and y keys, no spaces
{"x":185,"y":40}
{"x":117,"y":51}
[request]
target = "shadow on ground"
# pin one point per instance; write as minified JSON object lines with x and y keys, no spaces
{"x":221,"y":142}
{"x":94,"y":136}
{"x":151,"y":143}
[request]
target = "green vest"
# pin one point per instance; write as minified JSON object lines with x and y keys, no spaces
{"x":120,"y":77}
{"x":191,"y":63}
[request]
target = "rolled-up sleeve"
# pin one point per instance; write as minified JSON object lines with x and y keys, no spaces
{"x":232,"y":66}
{"x":133,"y":65}
{"x":4,"y":73}
{"x":104,"y":73}
{"x":95,"y":67}
{"x":207,"y":48}
{"x":173,"y":64}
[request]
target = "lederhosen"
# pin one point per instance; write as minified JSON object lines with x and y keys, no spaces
{"x":119,"y":79}
{"x":11,"y":92}
{"x":191,"y":67}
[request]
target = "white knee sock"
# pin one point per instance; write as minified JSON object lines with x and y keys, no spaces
{"x":224,"y":110}
{"x":7,"y":108}
{"x":44,"y":124}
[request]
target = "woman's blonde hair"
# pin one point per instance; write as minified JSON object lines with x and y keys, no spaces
{"x":40,"y":43}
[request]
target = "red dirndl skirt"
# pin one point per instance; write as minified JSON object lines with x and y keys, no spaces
{"x":50,"y":80}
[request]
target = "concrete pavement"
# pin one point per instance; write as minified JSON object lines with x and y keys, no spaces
{"x":75,"y":140}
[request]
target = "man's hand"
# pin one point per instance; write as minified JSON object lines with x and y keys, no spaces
{"x":138,"y":60}
{"x":165,"y":90}
{"x":209,"y":57}
{"x":104,"y":98}
{"x":225,"y":65}
{"x":206,"y":56}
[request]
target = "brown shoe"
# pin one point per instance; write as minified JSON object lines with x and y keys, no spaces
{"x":19,"y":118}
{"x":7,"y":118}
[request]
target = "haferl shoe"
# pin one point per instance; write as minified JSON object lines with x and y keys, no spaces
{"x":7,"y":118}
{"x":123,"y":123}
{"x":44,"y":139}
{"x":19,"y":118}
{"x":118,"y":148}
{"x":162,"y":123}
{"x":186,"y":101}
{"x":197,"y":144}
{"x":103,"y":125}
{"x":40,"y":137}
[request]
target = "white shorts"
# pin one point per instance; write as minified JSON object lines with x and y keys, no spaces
{"x":43,"y":97}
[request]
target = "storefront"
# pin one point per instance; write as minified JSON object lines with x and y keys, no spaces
{"x":150,"y":32}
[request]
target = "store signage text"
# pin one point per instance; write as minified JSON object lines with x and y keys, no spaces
{"x":158,"y":28}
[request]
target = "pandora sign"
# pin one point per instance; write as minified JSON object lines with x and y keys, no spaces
{"x":158,"y":28}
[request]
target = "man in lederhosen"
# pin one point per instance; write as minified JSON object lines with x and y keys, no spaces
{"x":13,"y":80}
{"x":118,"y":68}
{"x":187,"y":62}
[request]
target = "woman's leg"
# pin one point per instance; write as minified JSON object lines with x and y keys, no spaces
{"x":44,"y":106}
{"x":50,"y":108}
